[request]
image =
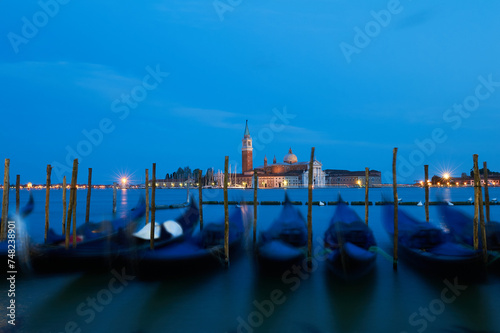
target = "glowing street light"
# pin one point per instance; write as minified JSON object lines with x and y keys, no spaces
{"x":446,"y":176}
{"x":124,"y":180}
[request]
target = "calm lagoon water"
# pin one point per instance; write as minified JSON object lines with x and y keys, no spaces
{"x":239,"y":299}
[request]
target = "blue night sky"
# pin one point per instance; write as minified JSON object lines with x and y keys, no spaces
{"x":173,"y":82}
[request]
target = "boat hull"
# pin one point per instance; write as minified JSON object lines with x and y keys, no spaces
{"x":430,"y":250}
{"x":351,"y":262}
{"x":276,"y":257}
{"x":201,"y":252}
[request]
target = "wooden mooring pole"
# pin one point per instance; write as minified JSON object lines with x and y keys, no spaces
{"x":64,"y":205}
{"x":72,"y":190}
{"x":47,"y":200}
{"x":395,"y":191}
{"x":89,"y":189}
{"x":255,"y":187}
{"x":200,"y":198}
{"x":5,"y":200}
{"x":477,"y":183}
{"x":18,"y":199}
{"x":74,"y":206}
{"x":367,"y":183}
{"x":309,"y":208}
{"x":426,"y":186}
{"x":226,"y":215}
{"x":153,"y":209}
{"x":486,"y":192}
{"x":114,"y":197}
{"x":482,"y":224}
{"x":146,"y":186}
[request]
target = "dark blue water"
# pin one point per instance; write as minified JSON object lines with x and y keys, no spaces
{"x":238,"y":299}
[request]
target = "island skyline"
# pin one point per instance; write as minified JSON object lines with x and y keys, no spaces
{"x":352,"y":80}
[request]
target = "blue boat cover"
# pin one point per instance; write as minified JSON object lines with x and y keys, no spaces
{"x":346,"y":227}
{"x":462,"y":227}
{"x":290,"y":226}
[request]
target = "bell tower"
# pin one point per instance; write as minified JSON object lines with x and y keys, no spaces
{"x":246,"y":151}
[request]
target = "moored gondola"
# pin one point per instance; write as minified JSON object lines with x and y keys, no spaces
{"x":461,"y":227}
{"x":101,"y":245}
{"x":17,"y":240}
{"x":284,"y":243}
{"x":204,"y":250}
{"x":350,"y":244}
{"x":429,"y":249}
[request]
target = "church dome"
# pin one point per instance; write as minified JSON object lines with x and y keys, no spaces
{"x":290,"y":158}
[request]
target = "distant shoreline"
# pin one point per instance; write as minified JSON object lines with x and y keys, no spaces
{"x":141,"y":187}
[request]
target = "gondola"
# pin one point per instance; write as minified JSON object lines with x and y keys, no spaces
{"x":101,"y":245}
{"x":461,"y":226}
{"x":284,"y":243}
{"x":349,"y":242}
{"x":18,"y":238}
{"x":204,"y":250}
{"x":428,"y":248}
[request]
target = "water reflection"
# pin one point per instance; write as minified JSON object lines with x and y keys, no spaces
{"x":169,"y":302}
{"x":459,"y":302}
{"x":349,"y":300}
{"x":212,"y":302}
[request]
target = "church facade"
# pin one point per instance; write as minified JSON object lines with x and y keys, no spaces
{"x":289,"y":173}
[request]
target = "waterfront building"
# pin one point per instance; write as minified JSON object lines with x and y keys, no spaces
{"x":352,"y":178}
{"x":289,"y":173}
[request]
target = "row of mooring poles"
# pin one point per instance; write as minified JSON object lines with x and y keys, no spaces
{"x":255,"y":203}
{"x":71,"y":207}
{"x":479,"y":222}
{"x":72,"y":204}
